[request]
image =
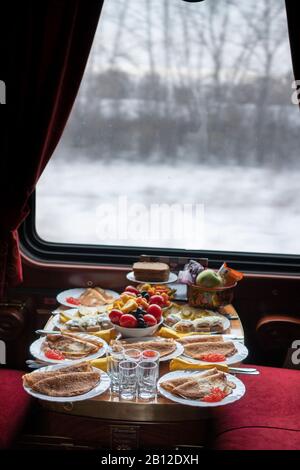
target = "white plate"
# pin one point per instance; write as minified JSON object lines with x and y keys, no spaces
{"x":178,"y":351}
{"x":225,"y":321}
{"x":236,"y":394}
{"x":102,"y":386}
{"x":36,"y":350}
{"x":61,"y":298}
{"x":172,"y":278}
{"x":239,"y":356}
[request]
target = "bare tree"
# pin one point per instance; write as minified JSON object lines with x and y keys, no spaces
{"x":117,"y":41}
{"x":266,"y":24}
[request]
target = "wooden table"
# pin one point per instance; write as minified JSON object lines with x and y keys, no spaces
{"x":106,"y":421}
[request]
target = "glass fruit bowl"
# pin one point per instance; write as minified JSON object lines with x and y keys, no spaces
{"x":209,"y":297}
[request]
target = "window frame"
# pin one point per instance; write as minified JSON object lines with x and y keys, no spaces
{"x":67,"y":253}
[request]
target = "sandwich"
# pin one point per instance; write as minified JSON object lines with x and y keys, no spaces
{"x":95,"y":297}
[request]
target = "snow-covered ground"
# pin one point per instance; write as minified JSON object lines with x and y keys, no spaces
{"x":245,"y":209}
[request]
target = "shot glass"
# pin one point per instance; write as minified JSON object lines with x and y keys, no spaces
{"x":147,"y":379}
{"x":128,"y":380}
{"x":132,"y":355}
{"x":149,"y":355}
{"x":114,"y":358}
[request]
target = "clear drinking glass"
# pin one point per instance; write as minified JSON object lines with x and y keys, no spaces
{"x":128,"y":379}
{"x":147,"y":379}
{"x":149,"y":355}
{"x":132,"y":354}
{"x":113,"y":362}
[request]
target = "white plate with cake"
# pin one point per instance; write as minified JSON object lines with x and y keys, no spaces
{"x":172,"y":278}
{"x":154,"y":272}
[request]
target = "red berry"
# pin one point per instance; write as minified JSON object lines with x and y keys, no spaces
{"x":115,"y":316}
{"x":150,"y":320}
{"x":155,"y":310}
{"x":132,"y":289}
{"x":128,"y":321}
{"x":157,"y":299}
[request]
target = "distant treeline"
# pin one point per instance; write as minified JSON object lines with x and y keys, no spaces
{"x":249,"y":123}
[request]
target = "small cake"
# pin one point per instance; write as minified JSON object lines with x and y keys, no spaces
{"x":172,"y":319}
{"x":184,"y":326}
{"x":151,"y":271}
{"x":210,"y":323}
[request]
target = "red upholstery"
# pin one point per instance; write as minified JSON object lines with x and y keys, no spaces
{"x":258,"y":439}
{"x":14,"y":405}
{"x":267,"y":417}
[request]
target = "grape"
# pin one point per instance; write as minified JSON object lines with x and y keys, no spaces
{"x":145,"y":295}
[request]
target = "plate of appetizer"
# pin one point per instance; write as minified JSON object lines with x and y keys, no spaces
{"x":72,"y":383}
{"x":90,"y":297}
{"x":182,"y":320}
{"x":71,"y":320}
{"x":212,"y":349}
{"x":63,"y":348}
{"x":167,"y":348}
{"x":205,"y":389}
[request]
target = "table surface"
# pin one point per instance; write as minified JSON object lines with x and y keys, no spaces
{"x":108,"y":405}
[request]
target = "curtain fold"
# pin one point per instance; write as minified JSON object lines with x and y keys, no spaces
{"x":47,"y":44}
{"x":293,"y":17}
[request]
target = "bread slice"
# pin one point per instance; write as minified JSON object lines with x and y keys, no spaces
{"x":151,"y":271}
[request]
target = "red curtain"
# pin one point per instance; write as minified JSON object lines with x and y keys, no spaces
{"x":46,"y":46}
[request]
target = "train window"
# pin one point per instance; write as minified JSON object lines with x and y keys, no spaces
{"x":183,"y":134}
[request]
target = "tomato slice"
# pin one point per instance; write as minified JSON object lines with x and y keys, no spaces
{"x":149,"y":353}
{"x":54,"y":354}
{"x":73,"y":300}
{"x":213,"y":357}
{"x":214,"y":396}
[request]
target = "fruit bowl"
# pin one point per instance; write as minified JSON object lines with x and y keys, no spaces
{"x":137,"y":332}
{"x":209,"y":297}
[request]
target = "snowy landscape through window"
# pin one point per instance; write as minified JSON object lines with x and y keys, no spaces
{"x":181,"y":104}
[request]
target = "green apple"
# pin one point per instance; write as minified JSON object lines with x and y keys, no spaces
{"x":208,"y":278}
